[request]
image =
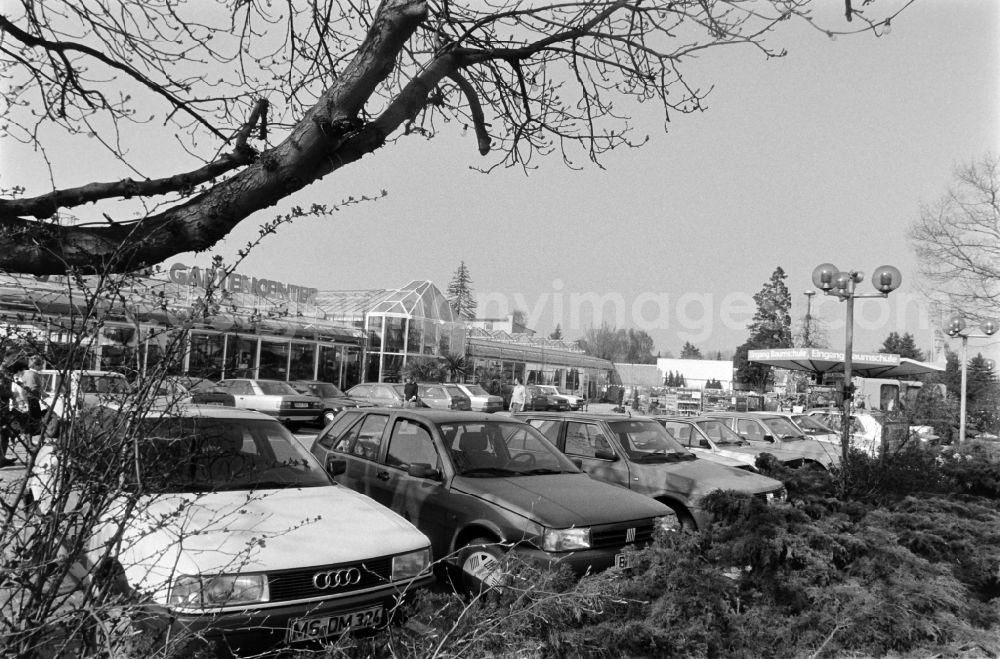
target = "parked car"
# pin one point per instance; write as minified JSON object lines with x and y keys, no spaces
{"x":769,"y":433}
{"x":480,"y":399}
{"x":275,"y":398}
{"x":537,"y":398}
{"x":191,"y":390}
{"x":480,"y":485}
{"x":334,"y":401}
{"x":441,"y":396}
{"x":380,"y":394}
{"x":573,"y":403}
{"x":723,"y":446}
{"x":713,"y":439}
{"x":242,"y":537}
{"x":812,"y":426}
{"x":638,"y":453}
{"x":69,"y":391}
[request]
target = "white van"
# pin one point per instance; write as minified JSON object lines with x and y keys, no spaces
{"x":239,"y":536}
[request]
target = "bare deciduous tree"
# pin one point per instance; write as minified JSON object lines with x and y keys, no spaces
{"x":265,"y":98}
{"x":957,"y":241}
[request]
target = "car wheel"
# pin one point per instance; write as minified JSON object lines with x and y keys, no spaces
{"x":328,"y":417}
{"x":480,"y":562}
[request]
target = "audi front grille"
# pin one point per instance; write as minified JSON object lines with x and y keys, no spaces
{"x":303,"y":583}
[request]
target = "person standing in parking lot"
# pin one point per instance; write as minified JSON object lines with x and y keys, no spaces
{"x":31,"y":392}
{"x":517,"y":398}
{"x":410,"y":392}
{"x":6,"y":414}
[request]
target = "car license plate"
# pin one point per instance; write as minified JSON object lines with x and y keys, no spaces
{"x":623,"y":560}
{"x":304,"y":629}
{"x":300,"y":404}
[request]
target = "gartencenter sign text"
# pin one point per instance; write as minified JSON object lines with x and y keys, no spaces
{"x":236,"y":283}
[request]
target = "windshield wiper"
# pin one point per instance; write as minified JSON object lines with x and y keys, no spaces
{"x":658,"y":457}
{"x":544,"y":470}
{"x":490,"y":471}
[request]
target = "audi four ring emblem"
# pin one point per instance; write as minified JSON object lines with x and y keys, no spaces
{"x":337,"y":578}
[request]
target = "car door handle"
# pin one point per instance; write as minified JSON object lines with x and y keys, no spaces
{"x":382,"y":475}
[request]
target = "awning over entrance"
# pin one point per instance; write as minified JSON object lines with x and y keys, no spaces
{"x":822,"y":360}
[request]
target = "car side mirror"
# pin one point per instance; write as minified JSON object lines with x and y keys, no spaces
{"x":578,"y":463}
{"x":335,"y":465}
{"x":605,"y":454}
{"x":423,"y":470}
{"x":769,"y":438}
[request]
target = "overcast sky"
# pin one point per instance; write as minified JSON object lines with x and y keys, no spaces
{"x":824,"y":155}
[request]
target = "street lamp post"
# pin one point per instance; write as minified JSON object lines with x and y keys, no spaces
{"x":956,"y":327}
{"x":832,"y":281}
{"x":809,"y":298}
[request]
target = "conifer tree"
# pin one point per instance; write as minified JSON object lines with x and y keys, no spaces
{"x":771,"y":327}
{"x":460,"y":293}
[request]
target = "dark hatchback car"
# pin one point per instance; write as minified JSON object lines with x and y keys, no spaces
{"x":479,"y":486}
{"x":442,"y":396}
{"x":334,"y":400}
{"x":380,"y":394}
{"x":637,"y":453}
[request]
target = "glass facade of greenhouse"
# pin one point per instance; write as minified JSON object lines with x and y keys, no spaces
{"x":189,"y":321}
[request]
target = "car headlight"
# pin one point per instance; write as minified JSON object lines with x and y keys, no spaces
{"x":669,"y":523}
{"x":413,"y":564}
{"x":214,"y":591}
{"x":776,"y":495}
{"x":565,"y":539}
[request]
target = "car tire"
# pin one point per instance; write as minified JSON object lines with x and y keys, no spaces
{"x":328,"y":417}
{"x":480,"y":564}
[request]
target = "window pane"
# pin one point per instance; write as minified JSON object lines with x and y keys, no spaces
{"x":303,"y":361}
{"x":411,"y":443}
{"x":394,"y":334}
{"x":206,"y":356}
{"x":274,"y":359}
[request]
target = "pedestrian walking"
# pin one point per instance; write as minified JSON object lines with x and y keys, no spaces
{"x":517,"y":397}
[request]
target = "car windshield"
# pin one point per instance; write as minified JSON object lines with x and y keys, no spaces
{"x":548,"y":390}
{"x":720,"y":433}
{"x":276,"y":388}
{"x":485,"y":449}
{"x":203,"y":454}
{"x":782,"y":428}
{"x":476,"y":390}
{"x":103,"y":384}
{"x":811,"y":424}
{"x":646,"y":440}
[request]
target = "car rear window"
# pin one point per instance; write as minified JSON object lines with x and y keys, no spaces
{"x":272,"y":388}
